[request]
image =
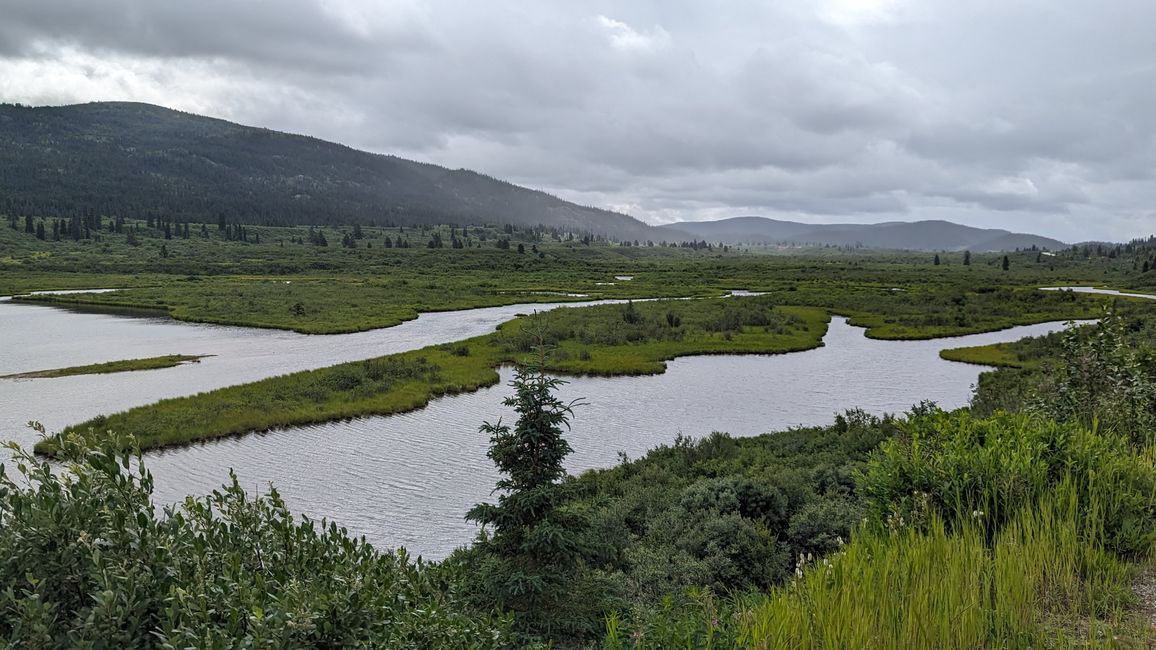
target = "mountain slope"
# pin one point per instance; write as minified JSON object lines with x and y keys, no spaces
{"x":135,"y":159}
{"x":917,"y":235}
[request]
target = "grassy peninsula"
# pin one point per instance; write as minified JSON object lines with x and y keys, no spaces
{"x":998,"y":355}
{"x":624,"y":339}
{"x":126,"y":365}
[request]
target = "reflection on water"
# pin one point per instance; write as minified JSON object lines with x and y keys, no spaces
{"x":408,"y":479}
{"x":39,"y":337}
{"x":1106,"y":292}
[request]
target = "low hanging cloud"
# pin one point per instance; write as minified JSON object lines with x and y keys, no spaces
{"x":1029,"y":116}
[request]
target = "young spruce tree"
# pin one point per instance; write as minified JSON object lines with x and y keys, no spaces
{"x":530,"y":545}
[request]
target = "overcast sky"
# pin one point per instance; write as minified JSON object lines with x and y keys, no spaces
{"x":1031,"y":115}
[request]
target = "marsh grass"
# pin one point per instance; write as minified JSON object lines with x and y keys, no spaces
{"x":602,"y":340}
{"x":1047,"y":580}
{"x":285,"y":284}
{"x":127,"y":365}
{"x":1006,"y":532}
{"x":998,"y":355}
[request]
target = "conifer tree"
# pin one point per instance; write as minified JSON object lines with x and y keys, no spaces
{"x":528,"y":556}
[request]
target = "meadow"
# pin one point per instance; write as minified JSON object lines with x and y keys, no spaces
{"x":282,"y":277}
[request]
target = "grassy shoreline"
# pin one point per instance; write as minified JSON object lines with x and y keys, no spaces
{"x":109,"y":367}
{"x":591,"y":341}
{"x":93,"y":303}
{"x":329,"y":305}
{"x":997,"y":355}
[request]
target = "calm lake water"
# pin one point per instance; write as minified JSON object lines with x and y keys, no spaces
{"x":406,"y":480}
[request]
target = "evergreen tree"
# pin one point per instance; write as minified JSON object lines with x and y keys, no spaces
{"x":526,"y":562}
{"x":1005,"y":263}
{"x":936,"y":262}
{"x":967,"y":258}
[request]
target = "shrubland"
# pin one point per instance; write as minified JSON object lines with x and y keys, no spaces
{"x":86,"y":560}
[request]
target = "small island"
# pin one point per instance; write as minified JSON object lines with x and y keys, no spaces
{"x":126,"y":365}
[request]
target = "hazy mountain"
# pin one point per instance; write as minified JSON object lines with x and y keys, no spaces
{"x":135,"y":159}
{"x":918,"y":235}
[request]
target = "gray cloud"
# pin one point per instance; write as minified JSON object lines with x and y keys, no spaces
{"x":1026,"y":115}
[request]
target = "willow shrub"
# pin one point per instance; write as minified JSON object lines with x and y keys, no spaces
{"x":1011,"y":531}
{"x":87,"y":561}
{"x":965,"y":468}
{"x":1046,"y":580}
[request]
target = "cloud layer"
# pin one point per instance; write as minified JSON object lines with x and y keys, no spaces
{"x":1024,"y":114}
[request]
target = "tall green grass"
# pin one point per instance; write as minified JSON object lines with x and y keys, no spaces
{"x":1005,"y":532}
{"x":1047,"y":581}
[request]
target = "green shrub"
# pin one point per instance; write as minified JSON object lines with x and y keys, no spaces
{"x":86,"y":561}
{"x":966,"y":468}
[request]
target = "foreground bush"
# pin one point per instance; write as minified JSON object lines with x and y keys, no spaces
{"x":1003,"y":532}
{"x":85,"y":561}
{"x":961,"y":468}
{"x":1045,"y":581}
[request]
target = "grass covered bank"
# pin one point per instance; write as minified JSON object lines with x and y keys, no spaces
{"x":303,"y":304}
{"x":1011,"y":531}
{"x":127,"y":365}
{"x":626,"y":339}
{"x":998,"y":355}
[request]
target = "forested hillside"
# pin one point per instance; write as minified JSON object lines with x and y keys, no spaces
{"x":138,"y":160}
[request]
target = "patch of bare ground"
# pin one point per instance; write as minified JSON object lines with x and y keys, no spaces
{"x":1145,"y":588}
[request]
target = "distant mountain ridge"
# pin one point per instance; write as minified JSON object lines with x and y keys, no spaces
{"x":137,"y":159}
{"x":898,"y":235}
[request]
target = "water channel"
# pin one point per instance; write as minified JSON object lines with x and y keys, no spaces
{"x":407,"y":479}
